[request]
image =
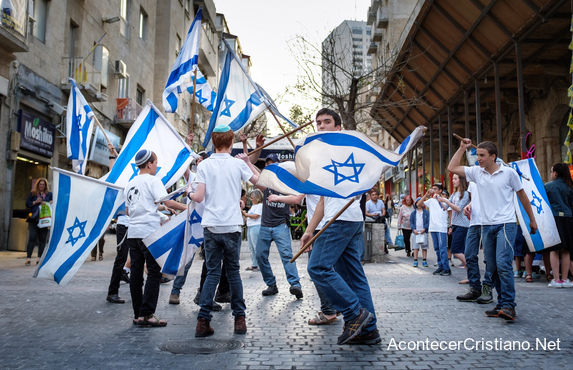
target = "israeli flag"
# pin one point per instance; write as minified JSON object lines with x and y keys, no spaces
{"x":204,"y":94}
{"x":239,"y":101}
{"x":547,"y":234}
{"x":152,"y":131}
{"x":83,"y":208}
{"x":337,"y":164}
{"x":184,"y":66}
{"x":174,"y":194}
{"x":79,"y":128}
{"x":174,"y":244}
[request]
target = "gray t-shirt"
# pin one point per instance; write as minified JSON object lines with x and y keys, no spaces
{"x":274,"y":213}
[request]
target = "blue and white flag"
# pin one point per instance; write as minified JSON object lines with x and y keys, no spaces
{"x":336,"y":164}
{"x":82,"y":210}
{"x":239,"y":101}
{"x":174,"y":244}
{"x":204,"y":94}
{"x":547,"y":234}
{"x":79,"y":127}
{"x":174,"y":194}
{"x":152,"y":131}
{"x":184,"y":66}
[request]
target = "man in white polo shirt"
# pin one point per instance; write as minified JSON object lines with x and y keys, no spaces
{"x":496,"y":185}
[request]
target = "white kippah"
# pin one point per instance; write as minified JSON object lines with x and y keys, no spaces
{"x":142,"y":156}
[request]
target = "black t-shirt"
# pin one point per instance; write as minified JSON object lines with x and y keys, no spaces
{"x":274,"y":213}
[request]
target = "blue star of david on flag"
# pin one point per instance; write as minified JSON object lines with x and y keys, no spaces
{"x":194,"y":218}
{"x":340,"y":168}
{"x":200,"y":98}
{"x":536,"y":203}
{"x":136,"y":171}
{"x":228,"y":104}
{"x":71,"y":230}
{"x":196,"y":242}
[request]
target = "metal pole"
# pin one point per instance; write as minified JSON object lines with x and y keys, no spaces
{"x":498,"y":110}
{"x":467,"y":112}
{"x":440,"y":150}
{"x":478,"y":113}
{"x":450,"y":151}
{"x":520,"y":99}
{"x":431,"y":154}
{"x":423,"y":167}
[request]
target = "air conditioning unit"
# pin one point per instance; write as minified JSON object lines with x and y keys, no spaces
{"x":120,"y":70}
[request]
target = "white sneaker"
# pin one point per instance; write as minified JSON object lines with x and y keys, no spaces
{"x":556,"y":284}
{"x":566,"y":284}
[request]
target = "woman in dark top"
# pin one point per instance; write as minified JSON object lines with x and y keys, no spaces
{"x":38,"y":196}
{"x":560,"y":196}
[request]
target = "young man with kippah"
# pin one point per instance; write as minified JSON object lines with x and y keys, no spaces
{"x":219,"y":184}
{"x":140,"y":196}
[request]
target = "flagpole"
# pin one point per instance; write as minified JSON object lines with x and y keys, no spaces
{"x":102,"y":130}
{"x":307,"y":245}
{"x":280,"y":137}
{"x":282,"y":128}
{"x":193,"y":102}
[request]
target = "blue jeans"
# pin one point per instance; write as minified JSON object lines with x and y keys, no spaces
{"x":227,"y":248}
{"x":253,"y":236}
{"x":325,"y":305}
{"x":498,"y":249}
{"x":440,"y":241}
{"x":180,"y":280}
{"x":335,"y":267}
{"x":387,"y":234}
{"x":281,"y":236}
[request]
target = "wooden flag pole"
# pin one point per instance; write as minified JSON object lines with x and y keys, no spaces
{"x":299,"y":225}
{"x":305,"y":247}
{"x":193,"y":103}
{"x":280,"y":137}
{"x":282,"y":128}
{"x":461,"y":138}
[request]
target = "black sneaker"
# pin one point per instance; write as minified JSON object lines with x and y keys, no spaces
{"x":217,"y":306}
{"x":296,"y":291}
{"x":197,"y":299}
{"x":125,"y":276}
{"x":271,"y":290}
{"x":223,"y":298}
{"x":352,"y":328}
{"x":165,"y":280}
{"x":493,"y":313}
{"x":486,"y":296}
{"x":471,"y":295}
{"x":446,"y":273}
{"x":438,"y":271}
{"x":507,"y":313}
{"x":366,"y":338}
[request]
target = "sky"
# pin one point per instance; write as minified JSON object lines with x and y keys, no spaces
{"x":264,"y":28}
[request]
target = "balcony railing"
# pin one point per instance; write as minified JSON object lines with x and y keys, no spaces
{"x":86,"y":76}
{"x":127,"y":111}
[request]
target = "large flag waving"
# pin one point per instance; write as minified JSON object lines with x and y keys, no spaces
{"x":203,"y":92}
{"x":79,"y":127}
{"x":547,"y":234}
{"x":82,"y":208}
{"x":185,"y":64}
{"x":152,"y":131}
{"x":239,"y":100}
{"x":337,"y":164}
{"x":174,"y":244}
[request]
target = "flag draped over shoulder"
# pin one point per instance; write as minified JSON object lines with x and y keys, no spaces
{"x":174,"y":244}
{"x":79,"y":127}
{"x":337,"y":164}
{"x":185,"y":64}
{"x":547,"y":234}
{"x":239,"y":101}
{"x":83,"y":208}
{"x":152,"y":131}
{"x":203,"y":92}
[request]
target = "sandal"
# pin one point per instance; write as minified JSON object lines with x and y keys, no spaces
{"x":101,"y":256}
{"x":157,"y":322}
{"x":27,"y":263}
{"x":529,"y":278}
{"x":320,"y":319}
{"x":465,"y":281}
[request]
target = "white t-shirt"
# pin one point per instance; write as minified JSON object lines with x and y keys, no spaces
{"x":256,"y":209}
{"x":475,"y":216}
{"x":311,"y":203}
{"x":222,"y":175}
{"x":420,"y":219}
{"x":140,"y":196}
{"x":495,"y":193}
{"x":438,"y":216}
{"x":333,"y":205}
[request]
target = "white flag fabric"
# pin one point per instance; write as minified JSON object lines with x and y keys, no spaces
{"x":547,"y":234}
{"x":152,"y":131}
{"x":79,"y":128}
{"x":174,"y":244}
{"x":239,"y":101}
{"x":83,"y":208}
{"x":184,"y":65}
{"x":203,"y":92}
{"x":337,"y":164}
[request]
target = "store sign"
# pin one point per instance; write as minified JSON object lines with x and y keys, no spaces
{"x":14,"y":15}
{"x":99,"y":151}
{"x":36,"y":134}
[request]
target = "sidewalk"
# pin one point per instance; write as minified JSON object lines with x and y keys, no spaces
{"x":46,"y":326}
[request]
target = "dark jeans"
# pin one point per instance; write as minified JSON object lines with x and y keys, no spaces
{"x":120,"y":259}
{"x":325,"y":305}
{"x":36,"y":235}
{"x":100,"y":244}
{"x":224,"y":287}
{"x":407,"y":236}
{"x":144,"y":302}
{"x":227,"y":248}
